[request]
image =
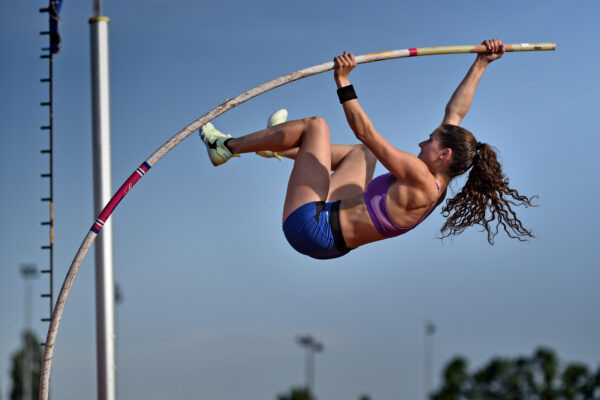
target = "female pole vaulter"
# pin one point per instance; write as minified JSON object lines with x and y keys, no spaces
{"x":326,"y":215}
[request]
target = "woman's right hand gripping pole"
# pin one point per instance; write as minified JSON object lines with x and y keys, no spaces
{"x":342,"y":66}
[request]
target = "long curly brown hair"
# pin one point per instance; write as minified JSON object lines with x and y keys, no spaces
{"x":485,"y":199}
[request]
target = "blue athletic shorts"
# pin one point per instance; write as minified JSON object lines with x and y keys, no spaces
{"x":314,"y":230}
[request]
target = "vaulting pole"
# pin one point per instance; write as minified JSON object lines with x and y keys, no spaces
{"x":194,"y":126}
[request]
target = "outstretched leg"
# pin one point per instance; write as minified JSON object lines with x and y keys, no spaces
{"x":310,"y":177}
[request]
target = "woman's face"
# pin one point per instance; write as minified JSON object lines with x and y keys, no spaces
{"x":430,"y":149}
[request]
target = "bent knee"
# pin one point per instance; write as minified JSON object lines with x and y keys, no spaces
{"x":316,"y":122}
{"x":316,"y":127}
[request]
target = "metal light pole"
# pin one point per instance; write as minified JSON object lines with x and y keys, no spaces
{"x":118,"y":301}
{"x":28,"y":271}
{"x":105,"y":306}
{"x":428,"y":358}
{"x":311,"y":346}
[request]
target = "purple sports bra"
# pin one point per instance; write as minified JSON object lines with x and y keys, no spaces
{"x":375,"y":197}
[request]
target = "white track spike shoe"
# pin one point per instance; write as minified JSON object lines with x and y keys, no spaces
{"x":215,"y":144}
{"x":278,"y":117}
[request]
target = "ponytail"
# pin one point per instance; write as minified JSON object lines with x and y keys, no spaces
{"x":485,"y":199}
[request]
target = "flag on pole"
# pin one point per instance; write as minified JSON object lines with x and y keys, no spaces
{"x":54,"y":11}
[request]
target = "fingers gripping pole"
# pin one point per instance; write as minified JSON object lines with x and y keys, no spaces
{"x":188,"y":130}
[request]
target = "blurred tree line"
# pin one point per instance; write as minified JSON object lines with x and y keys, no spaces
{"x":539,"y":377}
{"x":30,"y":351}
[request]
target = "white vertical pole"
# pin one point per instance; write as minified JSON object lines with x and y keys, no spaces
{"x":105,"y":321}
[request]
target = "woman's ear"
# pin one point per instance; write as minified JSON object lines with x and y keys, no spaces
{"x":446,"y":154}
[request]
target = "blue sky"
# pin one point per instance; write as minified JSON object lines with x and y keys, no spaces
{"x":213,"y":295}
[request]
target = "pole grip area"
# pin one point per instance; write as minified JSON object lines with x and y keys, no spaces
{"x":480,"y":48}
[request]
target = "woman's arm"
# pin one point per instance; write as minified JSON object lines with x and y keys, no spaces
{"x":358,"y":120}
{"x":404,"y":166}
{"x":463,"y":95}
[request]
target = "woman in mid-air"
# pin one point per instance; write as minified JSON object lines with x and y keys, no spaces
{"x":325,"y":215}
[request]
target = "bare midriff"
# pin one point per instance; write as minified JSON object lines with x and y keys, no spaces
{"x":357,"y":227}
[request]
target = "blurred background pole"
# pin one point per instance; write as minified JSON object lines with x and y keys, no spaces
{"x":311,"y":346}
{"x":28,"y":271}
{"x":105,"y":306}
{"x":428,"y":358}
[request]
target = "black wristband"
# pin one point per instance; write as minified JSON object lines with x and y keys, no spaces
{"x":346,"y":93}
